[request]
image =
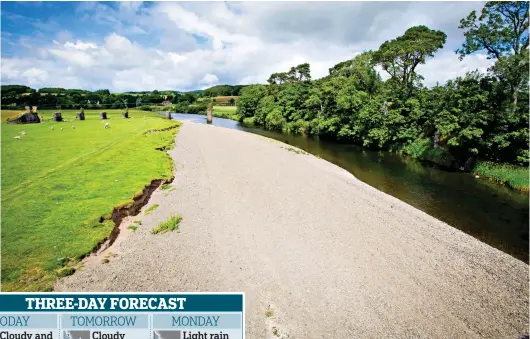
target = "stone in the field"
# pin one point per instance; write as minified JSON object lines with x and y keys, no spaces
{"x":103,"y":115}
{"x":125,"y":114}
{"x":26,"y":118}
{"x":57,"y":117}
{"x":209,"y":113}
{"x":81,"y":115}
{"x":168,"y":115}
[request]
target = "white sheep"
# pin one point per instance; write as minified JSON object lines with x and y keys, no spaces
{"x":106,"y":125}
{"x":73,"y":127}
{"x":61,"y":128}
{"x":17,"y":137}
{"x":23,"y":133}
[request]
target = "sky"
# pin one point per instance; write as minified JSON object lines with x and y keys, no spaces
{"x":137,"y":46}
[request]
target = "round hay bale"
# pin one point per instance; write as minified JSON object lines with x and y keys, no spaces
{"x":57,"y":116}
{"x":81,"y":115}
{"x":103,"y":115}
{"x":125,"y":114}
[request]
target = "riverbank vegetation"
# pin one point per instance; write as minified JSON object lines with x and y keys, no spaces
{"x":476,"y":117}
{"x":514,"y":176}
{"x":60,"y":178}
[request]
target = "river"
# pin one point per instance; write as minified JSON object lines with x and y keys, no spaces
{"x":492,"y":213}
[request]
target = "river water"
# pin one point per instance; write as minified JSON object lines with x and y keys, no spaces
{"x":492,"y":213}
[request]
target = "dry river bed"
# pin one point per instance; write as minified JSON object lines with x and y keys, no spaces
{"x":318,"y":253}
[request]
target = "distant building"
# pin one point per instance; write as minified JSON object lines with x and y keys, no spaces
{"x":166,"y":102}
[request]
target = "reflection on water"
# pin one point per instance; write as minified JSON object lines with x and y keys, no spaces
{"x":490,"y":212}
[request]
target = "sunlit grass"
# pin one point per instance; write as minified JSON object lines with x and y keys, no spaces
{"x":172,"y":224}
{"x":6,"y":114}
{"x":56,"y":184}
{"x":514,"y":176}
{"x":227,"y":112}
{"x":151,"y":209}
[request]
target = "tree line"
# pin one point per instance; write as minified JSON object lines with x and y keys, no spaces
{"x":18,"y":96}
{"x":473,"y":117}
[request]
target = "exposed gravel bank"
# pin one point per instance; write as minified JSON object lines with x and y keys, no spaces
{"x":331,"y":256}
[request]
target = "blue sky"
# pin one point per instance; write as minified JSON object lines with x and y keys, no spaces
{"x":126,"y":46}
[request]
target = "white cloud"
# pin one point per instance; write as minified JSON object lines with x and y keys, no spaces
{"x":73,"y":57}
{"x":209,"y":79}
{"x":190,"y":45}
{"x":79,"y":45}
{"x":446,"y":66}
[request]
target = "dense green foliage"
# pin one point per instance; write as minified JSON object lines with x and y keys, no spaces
{"x":222,"y":90}
{"x":474,"y":117}
{"x":57,"y":181}
{"x":16,"y":97}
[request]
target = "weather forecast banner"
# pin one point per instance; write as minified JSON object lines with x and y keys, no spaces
{"x":122,"y":316}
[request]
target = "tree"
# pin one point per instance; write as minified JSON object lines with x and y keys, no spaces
{"x":401,"y":56}
{"x":501,"y":30}
{"x":298,"y":73}
{"x":249,"y":99}
{"x":278,"y":78}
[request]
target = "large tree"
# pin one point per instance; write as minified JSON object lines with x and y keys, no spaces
{"x":502,"y":31}
{"x":401,"y":56}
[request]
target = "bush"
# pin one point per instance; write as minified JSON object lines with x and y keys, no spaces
{"x":144,"y":108}
{"x":275,"y":120}
{"x":248,"y":121}
{"x":298,"y":127}
{"x":423,"y":149}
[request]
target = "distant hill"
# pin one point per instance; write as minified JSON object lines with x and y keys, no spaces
{"x":223,"y":90}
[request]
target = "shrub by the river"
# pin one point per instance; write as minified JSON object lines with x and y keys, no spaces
{"x":514,"y":176}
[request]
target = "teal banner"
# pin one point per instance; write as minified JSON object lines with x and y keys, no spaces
{"x":122,"y":315}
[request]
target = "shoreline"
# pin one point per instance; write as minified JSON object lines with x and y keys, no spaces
{"x":424,"y":161}
{"x":287,"y":227}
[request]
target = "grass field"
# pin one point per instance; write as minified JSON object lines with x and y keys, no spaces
{"x":56,"y":184}
{"x":225,"y":99}
{"x":228,"y":112}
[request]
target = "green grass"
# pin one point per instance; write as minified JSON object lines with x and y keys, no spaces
{"x":172,"y":224}
{"x":227,"y":112}
{"x":56,"y":184}
{"x":514,"y":176}
{"x":165,"y":187}
{"x":132,"y":228}
{"x":151,"y":209}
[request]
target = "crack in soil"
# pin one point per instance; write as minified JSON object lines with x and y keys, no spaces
{"x":162,"y":129}
{"x":139,"y":201}
{"x":131,"y":209}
